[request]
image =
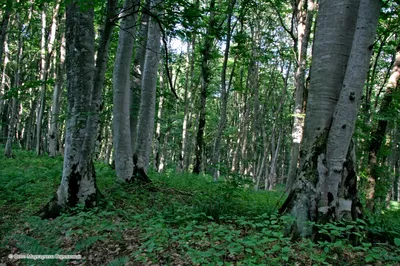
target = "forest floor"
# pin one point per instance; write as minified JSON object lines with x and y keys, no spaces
{"x":183,"y":220}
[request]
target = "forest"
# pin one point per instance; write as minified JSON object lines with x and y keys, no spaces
{"x":199,"y":132}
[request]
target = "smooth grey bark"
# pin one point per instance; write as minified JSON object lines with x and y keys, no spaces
{"x":332,"y":46}
{"x":123,"y":153}
{"x":148,"y":94}
{"x":138,"y":64}
{"x":305,"y":11}
{"x":345,"y":115}
{"x":78,"y":183}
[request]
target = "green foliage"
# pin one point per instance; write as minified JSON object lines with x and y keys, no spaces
{"x":187,"y":220}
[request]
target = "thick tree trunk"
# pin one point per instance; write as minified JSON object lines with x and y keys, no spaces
{"x":78,"y":184}
{"x":345,"y":114}
{"x":148,"y":94}
{"x":325,"y":187}
{"x":121,"y":92}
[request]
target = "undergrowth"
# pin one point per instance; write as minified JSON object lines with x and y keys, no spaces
{"x":186,"y":220}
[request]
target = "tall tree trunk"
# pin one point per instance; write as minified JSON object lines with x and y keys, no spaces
{"x":326,"y":184}
{"x":121,"y":92}
{"x":148,"y":95}
{"x":304,"y":19}
{"x":78,"y":183}
{"x":138,"y":62}
{"x":205,"y":80}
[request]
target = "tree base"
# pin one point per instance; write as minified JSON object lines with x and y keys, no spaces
{"x":52,"y":209}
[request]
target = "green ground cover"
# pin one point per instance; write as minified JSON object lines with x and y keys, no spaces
{"x":182,"y":220}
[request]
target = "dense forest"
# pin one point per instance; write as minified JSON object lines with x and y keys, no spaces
{"x":188,"y":132}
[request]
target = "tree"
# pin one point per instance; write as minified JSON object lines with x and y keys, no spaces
{"x":326,"y":182}
{"x":121,"y":92}
{"x":205,"y":80}
{"x":148,"y":94}
{"x":138,"y":63}
{"x":78,"y":183}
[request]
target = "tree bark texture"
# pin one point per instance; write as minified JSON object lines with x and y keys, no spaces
{"x":148,"y":94}
{"x":138,"y":62}
{"x":123,"y":153}
{"x":325,"y":187}
{"x":78,"y":183}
